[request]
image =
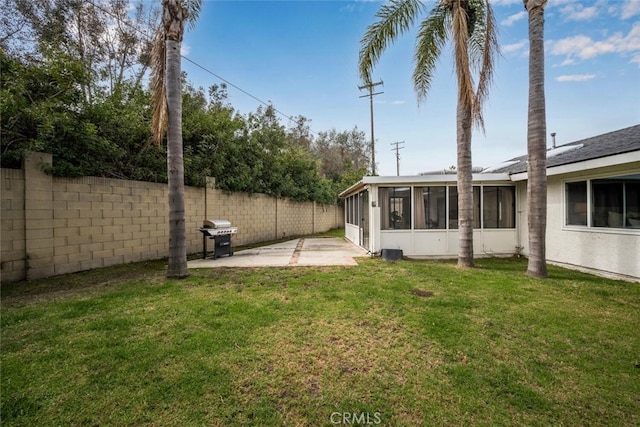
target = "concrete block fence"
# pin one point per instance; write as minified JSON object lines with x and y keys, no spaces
{"x":53,"y":225}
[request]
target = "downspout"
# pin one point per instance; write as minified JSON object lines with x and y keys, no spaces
{"x":519,"y":246}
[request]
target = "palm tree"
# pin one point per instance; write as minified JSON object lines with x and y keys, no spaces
{"x":469,"y":24}
{"x":536,"y":142}
{"x":167,"y":98}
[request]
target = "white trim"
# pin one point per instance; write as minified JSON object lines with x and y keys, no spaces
{"x":418,"y":180}
{"x":597,"y":272}
{"x":603,"y":162}
{"x":604,"y":230}
{"x":352,"y":189}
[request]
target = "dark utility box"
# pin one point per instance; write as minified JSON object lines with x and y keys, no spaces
{"x":391,"y":254}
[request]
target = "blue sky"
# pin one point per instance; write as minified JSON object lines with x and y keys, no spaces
{"x":302,"y":56}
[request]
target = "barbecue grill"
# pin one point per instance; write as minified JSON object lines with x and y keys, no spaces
{"x":220,"y":230}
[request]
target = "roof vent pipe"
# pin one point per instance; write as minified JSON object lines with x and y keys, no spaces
{"x":553,"y":140}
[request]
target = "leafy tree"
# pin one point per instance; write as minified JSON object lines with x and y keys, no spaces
{"x":341,"y":152}
{"x":108,"y":38}
{"x":43,"y":109}
{"x":123,"y":118}
{"x":536,"y":142}
{"x":470,"y":26}
{"x":300,"y":133}
{"x":84,"y":103}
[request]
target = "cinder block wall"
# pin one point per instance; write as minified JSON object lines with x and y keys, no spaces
{"x":294,"y":218}
{"x":54,"y":225}
{"x":12,"y":227}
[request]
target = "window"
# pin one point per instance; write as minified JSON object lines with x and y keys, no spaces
{"x":615,"y":202}
{"x":576,"y":196}
{"x":354,"y":209}
{"x":430,"y":207}
{"x":453,"y":207}
{"x":436,"y":207}
{"x":498,"y":209}
{"x":351,"y":208}
{"x":395,"y":207}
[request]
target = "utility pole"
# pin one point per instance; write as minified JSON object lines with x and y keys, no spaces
{"x":397,"y":150}
{"x":370,"y":87}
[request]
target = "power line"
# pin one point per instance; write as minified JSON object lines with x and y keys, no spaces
{"x":370,"y":87}
{"x":150,"y":39}
{"x":240,"y":89}
{"x":397,"y":150}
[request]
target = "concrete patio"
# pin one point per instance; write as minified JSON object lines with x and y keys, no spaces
{"x":321,"y":251}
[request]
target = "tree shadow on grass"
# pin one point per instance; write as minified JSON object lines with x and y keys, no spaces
{"x":59,"y":286}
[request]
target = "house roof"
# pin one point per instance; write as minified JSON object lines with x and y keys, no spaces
{"x":442,"y":179}
{"x":608,"y":144}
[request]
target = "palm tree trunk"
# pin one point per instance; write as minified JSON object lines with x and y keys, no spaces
{"x":465,"y":184}
{"x":175,"y":164}
{"x":536,"y":143}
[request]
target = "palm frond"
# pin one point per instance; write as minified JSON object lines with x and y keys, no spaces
{"x":476,"y":32}
{"x":431,"y":38}
{"x":158,"y":88}
{"x":460,"y":35}
{"x":395,"y":18}
{"x":193,"y":8}
{"x":490,"y":50}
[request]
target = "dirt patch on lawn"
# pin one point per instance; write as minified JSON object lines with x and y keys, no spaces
{"x":421,"y":293}
{"x":309,"y":363}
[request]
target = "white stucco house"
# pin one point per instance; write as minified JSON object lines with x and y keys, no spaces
{"x":593,"y":210}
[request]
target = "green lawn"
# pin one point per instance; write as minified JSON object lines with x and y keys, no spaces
{"x":396,"y":344}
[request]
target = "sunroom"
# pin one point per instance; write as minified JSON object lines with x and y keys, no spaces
{"x":419,"y":215}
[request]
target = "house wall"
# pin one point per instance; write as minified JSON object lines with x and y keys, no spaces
{"x":522,"y":218}
{"x":54,"y":225}
{"x":444,"y":243}
{"x":600,"y":250}
{"x":434,"y":243}
{"x":615,"y":251}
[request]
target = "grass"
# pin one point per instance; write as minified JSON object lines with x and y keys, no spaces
{"x":407,"y":343}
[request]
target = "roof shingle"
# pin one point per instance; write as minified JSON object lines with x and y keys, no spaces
{"x":608,"y":144}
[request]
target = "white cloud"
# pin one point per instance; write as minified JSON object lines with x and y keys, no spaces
{"x":636,"y":59}
{"x":577,"y":12}
{"x":584,"y":47}
{"x":385,"y":102}
{"x":505,"y":2}
{"x":575,"y":77}
{"x":630,"y":8}
{"x":581,"y":46}
{"x":509,"y":21}
{"x":514,"y":47}
{"x":185,"y":49}
{"x":568,"y":61}
{"x":349,"y":7}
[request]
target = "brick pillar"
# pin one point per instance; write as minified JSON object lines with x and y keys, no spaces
{"x":276,"y":224}
{"x":209,"y":184}
{"x":313,"y":218}
{"x":38,"y":215}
